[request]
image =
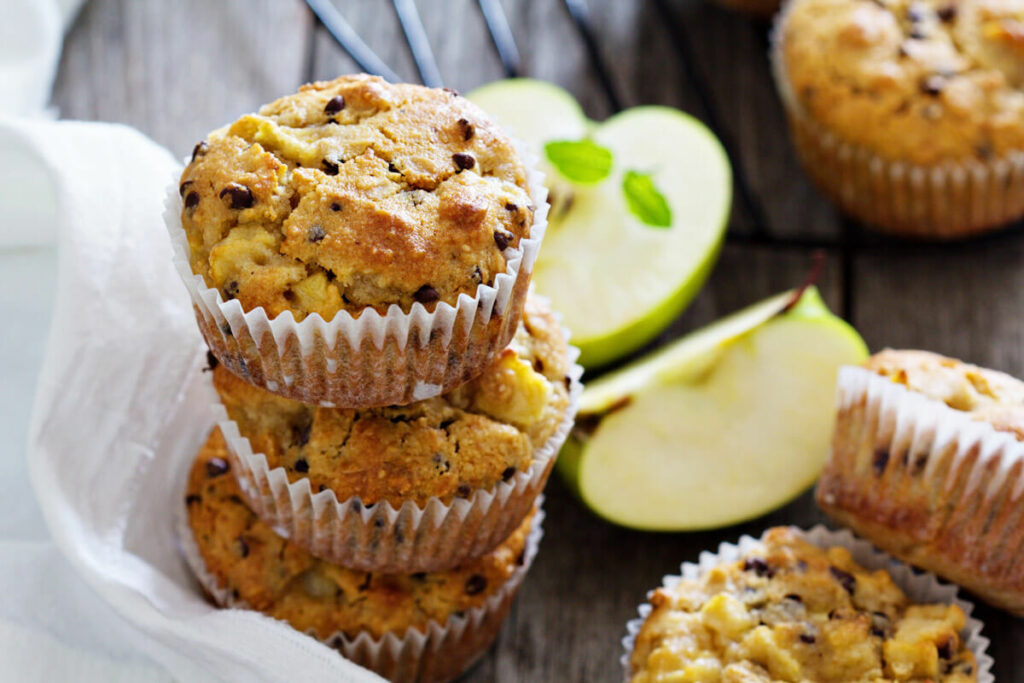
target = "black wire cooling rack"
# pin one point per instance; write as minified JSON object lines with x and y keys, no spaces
{"x":851,"y":236}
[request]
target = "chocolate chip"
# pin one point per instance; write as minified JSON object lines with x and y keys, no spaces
{"x":329,"y":167}
{"x":945,"y":649}
{"x":193,"y":498}
{"x":445,"y":424}
{"x":315,"y":234}
{"x":846,"y":579}
{"x":880,"y":460}
{"x":794,"y":597}
{"x":467,"y":129}
{"x":947,"y":13}
{"x":231,"y":290}
{"x":508,"y":473}
{"x":191,"y":200}
{"x":464,"y":161}
{"x":419,"y":576}
{"x":216,"y":467}
{"x":758,"y":566}
{"x":334,"y":105}
{"x":242,"y":547}
{"x":477,"y":276}
{"x":933,"y":85}
{"x":200,"y":149}
{"x":538,"y":365}
{"x":476,"y":584}
{"x":567,"y":380}
{"x":426,"y":295}
{"x":335,"y":206}
{"x":238,"y":196}
{"x":502,"y":239}
{"x":393,"y":169}
{"x":463,"y":491}
{"x":183,"y":187}
{"x":509,"y":206}
{"x":301,"y":466}
{"x":807,"y":638}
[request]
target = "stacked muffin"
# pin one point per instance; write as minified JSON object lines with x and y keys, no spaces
{"x":391,"y":400}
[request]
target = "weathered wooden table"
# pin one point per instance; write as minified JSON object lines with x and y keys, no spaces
{"x":176,"y":70}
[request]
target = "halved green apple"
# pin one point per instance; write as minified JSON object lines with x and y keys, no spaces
{"x":724,"y":425}
{"x":624,"y":254}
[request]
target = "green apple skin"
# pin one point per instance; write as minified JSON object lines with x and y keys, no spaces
{"x":672,"y":390}
{"x":515,"y":104}
{"x":680,"y":259}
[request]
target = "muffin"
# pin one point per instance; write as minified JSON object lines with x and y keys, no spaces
{"x":416,"y":627}
{"x":915,"y":122}
{"x":358,"y":243}
{"x":927,"y":461}
{"x":408,"y":488}
{"x":785,"y":609}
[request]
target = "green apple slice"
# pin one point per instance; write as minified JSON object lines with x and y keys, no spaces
{"x":726,"y":424}
{"x":624,"y":255}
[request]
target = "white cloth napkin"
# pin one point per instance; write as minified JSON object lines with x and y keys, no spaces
{"x":117,"y":413}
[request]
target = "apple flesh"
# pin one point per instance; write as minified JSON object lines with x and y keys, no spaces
{"x":616,"y":280}
{"x":726,"y":424}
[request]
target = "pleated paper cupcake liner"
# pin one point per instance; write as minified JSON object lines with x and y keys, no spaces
{"x":371,"y":360}
{"x":950,"y":200}
{"x":439,"y":654}
{"x":919,"y":587}
{"x":382,"y":537}
{"x":930,"y":485}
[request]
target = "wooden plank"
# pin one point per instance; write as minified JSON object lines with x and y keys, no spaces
{"x":178,"y":70}
{"x":590,"y":575}
{"x":959,"y":300}
{"x":730,"y":51}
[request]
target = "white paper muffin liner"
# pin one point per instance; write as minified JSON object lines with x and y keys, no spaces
{"x":438,"y":655}
{"x":929,"y":484}
{"x":383,"y":538}
{"x":371,"y":360}
{"x":919,"y":587}
{"x":942,"y":201}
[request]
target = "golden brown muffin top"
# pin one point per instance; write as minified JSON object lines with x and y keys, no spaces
{"x":280,"y":579}
{"x":923,"y":81}
{"x":481,"y":433}
{"x":790,"y":611}
{"x":354,"y":193}
{"x":987,"y":395}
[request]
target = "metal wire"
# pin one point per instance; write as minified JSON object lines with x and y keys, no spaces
{"x":419,"y":45}
{"x":331,"y":19}
{"x":501,"y":35}
{"x":581,"y":17}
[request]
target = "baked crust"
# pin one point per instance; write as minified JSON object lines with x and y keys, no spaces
{"x":480,"y":433}
{"x":948,"y":506}
{"x":791,"y":611}
{"x":920,"y":81}
{"x":274,"y":576}
{"x":354,"y":193}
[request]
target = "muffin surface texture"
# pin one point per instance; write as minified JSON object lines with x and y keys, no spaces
{"x":790,"y":611}
{"x":354,"y":193}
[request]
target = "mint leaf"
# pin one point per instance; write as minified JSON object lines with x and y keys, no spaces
{"x":645,"y":201}
{"x":582,"y":161}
